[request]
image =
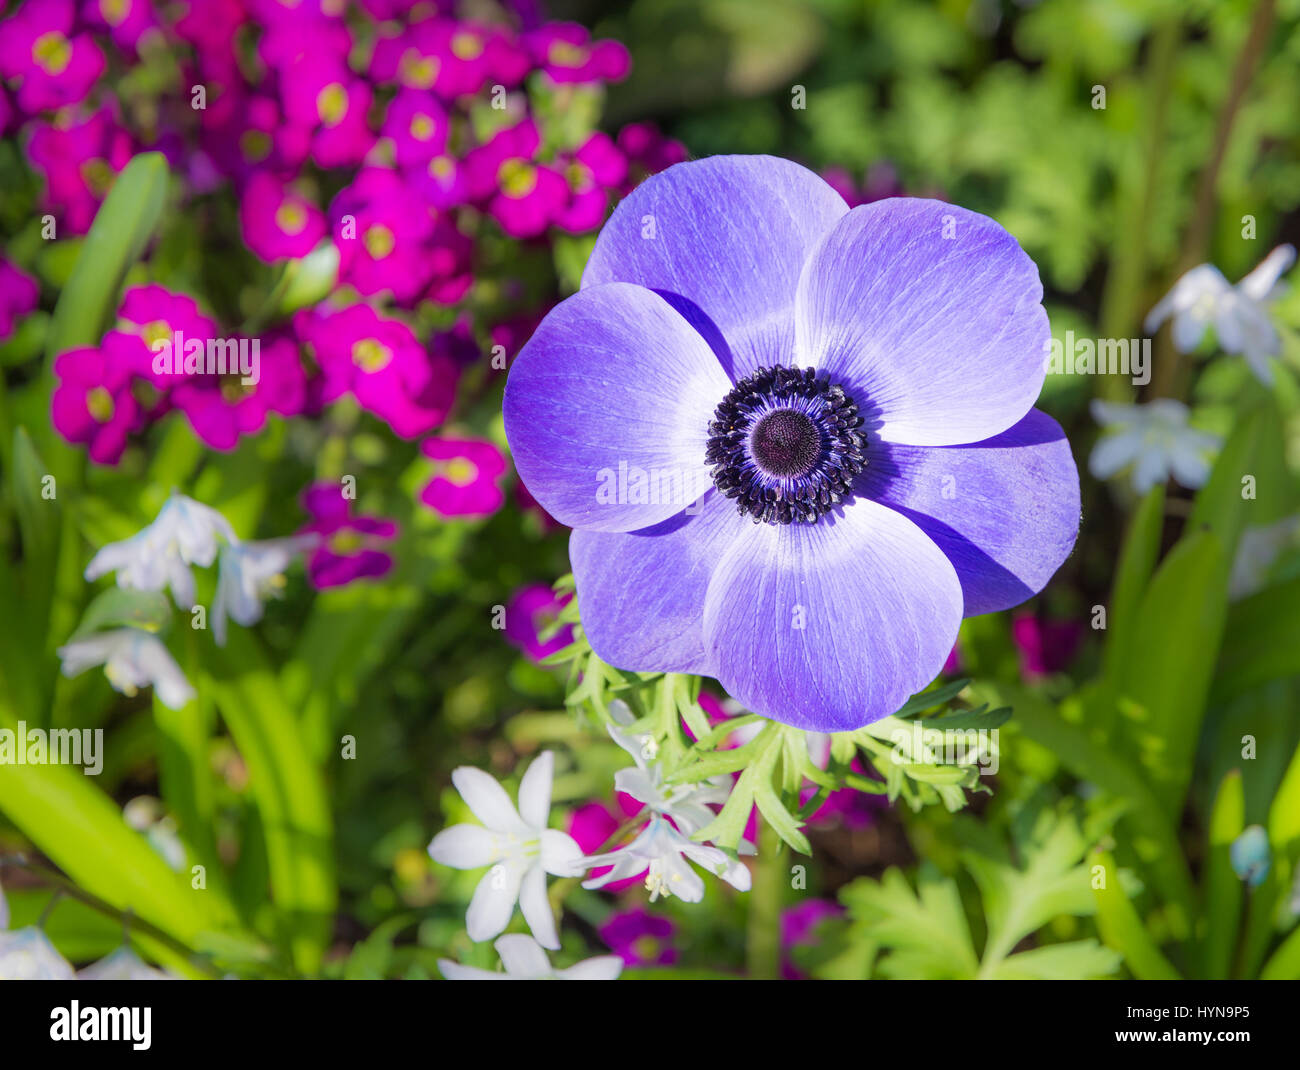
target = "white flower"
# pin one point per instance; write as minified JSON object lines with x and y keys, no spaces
{"x":28,"y":955}
{"x":1239,"y":314}
{"x":525,"y":960}
{"x":1155,"y":439}
{"x":122,"y":965}
{"x":184,"y":533}
{"x":686,"y":804}
{"x":249,"y":573}
{"x":1256,"y":552}
{"x":517,"y":845}
{"x":664,"y":851}
{"x":132,"y":659}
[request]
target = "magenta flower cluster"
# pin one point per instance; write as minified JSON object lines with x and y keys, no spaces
{"x":391,"y":141}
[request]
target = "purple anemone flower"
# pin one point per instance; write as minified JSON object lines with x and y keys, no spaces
{"x":797,"y":443}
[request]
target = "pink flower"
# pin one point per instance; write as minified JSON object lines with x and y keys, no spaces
{"x":79,"y":160}
{"x":380,"y":228}
{"x":351,"y":547}
{"x":468,"y":479}
{"x":93,"y":405}
{"x":276,"y":222}
{"x":18,"y":296}
{"x":799,"y":926}
{"x":593,"y":172}
{"x":593,"y":823}
{"x":125,"y":20}
{"x":1046,"y":646}
{"x":253,"y":136}
{"x":565,"y":51}
{"x":222,"y":408}
{"x":529,"y":612}
{"x":152,"y":314}
{"x":298,"y":31}
{"x":380,"y":363}
{"x":210,"y":25}
{"x":640,"y":938}
{"x":323,"y":96}
{"x":522,"y":195}
{"x":451,"y":58}
{"x":648,"y":152}
{"x":417,"y":124}
{"x":52,"y":66}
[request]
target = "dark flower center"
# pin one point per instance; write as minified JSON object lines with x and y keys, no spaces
{"x":785,"y":445}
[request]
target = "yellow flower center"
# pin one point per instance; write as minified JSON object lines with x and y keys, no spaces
{"x":99,"y":403}
{"x":115,"y":11}
{"x":346,"y":542}
{"x":379,"y":241}
{"x":466,"y":46}
{"x":442,"y":167}
{"x":332,"y":104}
{"x":422,"y":128}
{"x":518,"y":178}
{"x":155,"y":332}
{"x":417,"y":70}
{"x":52,"y":52}
{"x":646,"y":948}
{"x":291,"y":218}
{"x":564,"y":54}
{"x":461,"y":471}
{"x":255,"y":145}
{"x":370,"y":355}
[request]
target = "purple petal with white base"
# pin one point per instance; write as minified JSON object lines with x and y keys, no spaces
{"x":724,"y":239}
{"x":931,"y":315}
{"x":1004,"y":511}
{"x":613,"y":382}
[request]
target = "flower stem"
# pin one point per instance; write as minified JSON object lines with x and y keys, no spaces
{"x":763,"y":935}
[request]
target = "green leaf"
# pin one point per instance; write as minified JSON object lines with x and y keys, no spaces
{"x":1163,"y":674}
{"x":1137,"y":560}
{"x":1223,"y":890}
{"x":289,"y":792}
{"x":122,"y":228}
{"x":1261,"y":641}
{"x":1122,"y":929}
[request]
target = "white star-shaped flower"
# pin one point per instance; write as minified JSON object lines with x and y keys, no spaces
{"x":524,"y":960}
{"x":159,"y":555}
{"x":1155,"y":440}
{"x":517,"y":845}
{"x":686,"y":804}
{"x":1239,"y":314}
{"x":122,"y":965}
{"x":249,"y":573}
{"x":132,"y":659}
{"x":664,"y":852}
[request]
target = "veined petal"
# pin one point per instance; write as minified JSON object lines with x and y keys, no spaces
{"x":607,"y":410}
{"x":465,"y":847}
{"x":641,"y":593}
{"x":833,"y":625}
{"x":930,"y":317}
{"x":488,"y":801}
{"x":1005,"y":511}
{"x":724,"y":240}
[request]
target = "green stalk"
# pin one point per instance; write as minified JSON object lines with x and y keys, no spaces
{"x":763,"y":935}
